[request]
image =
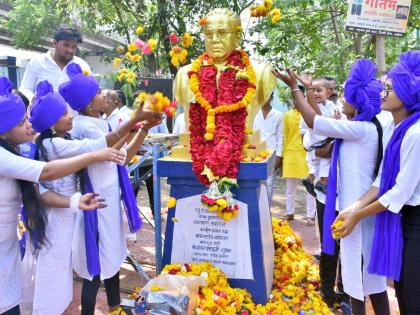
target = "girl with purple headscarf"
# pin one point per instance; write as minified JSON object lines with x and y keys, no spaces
{"x":396,"y":243}
{"x":354,"y":166}
{"x":99,"y":246}
{"x":17,"y":178}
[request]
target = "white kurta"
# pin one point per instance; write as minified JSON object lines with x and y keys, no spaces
{"x":117,"y":118}
{"x":53,"y":270}
{"x":104,"y":177}
{"x":356,"y":164}
{"x":12,"y":167}
{"x":271,"y":130}
{"x":179,"y":126}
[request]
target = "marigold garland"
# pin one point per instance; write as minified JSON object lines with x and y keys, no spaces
{"x":158,"y":102}
{"x":222,"y":108}
{"x":217,"y":121}
{"x":295,"y":286}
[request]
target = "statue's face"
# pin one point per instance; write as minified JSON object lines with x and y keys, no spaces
{"x":220,"y":38}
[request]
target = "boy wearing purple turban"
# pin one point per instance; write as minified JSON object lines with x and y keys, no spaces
{"x":396,"y":243}
{"x":354,"y":166}
{"x":99,"y":240}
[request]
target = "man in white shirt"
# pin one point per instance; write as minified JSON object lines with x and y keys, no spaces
{"x":179,"y":126}
{"x":124,"y":109}
{"x":270,"y":123}
{"x":52,"y":65}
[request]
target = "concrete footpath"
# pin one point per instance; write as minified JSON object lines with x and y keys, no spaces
{"x":143,"y":248}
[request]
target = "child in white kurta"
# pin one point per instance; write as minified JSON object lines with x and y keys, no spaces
{"x":105,"y":238}
{"x":104,"y":177}
{"x":15,"y":130}
{"x":53,"y":269}
{"x":12,"y":167}
{"x":318,"y":165}
{"x":271,"y":129}
{"x":355,"y":156}
{"x":356,"y":164}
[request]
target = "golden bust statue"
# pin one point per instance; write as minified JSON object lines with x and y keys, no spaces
{"x":223,"y":33}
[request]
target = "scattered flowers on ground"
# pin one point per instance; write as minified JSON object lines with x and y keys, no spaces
{"x":295,"y":286}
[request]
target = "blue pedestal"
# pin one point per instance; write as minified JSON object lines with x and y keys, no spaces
{"x":252,"y":192}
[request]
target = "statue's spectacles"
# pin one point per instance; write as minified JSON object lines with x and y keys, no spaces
{"x":219,"y":33}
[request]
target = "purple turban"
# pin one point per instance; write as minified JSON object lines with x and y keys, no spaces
{"x":47,"y":108}
{"x":405,"y":77}
{"x":80,"y":90}
{"x":12,"y":108}
{"x":362,"y":90}
{"x":387,"y":247}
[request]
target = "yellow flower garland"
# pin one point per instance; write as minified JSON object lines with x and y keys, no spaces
{"x":211,"y":113}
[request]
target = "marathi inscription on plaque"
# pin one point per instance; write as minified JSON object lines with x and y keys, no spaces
{"x":202,"y":236}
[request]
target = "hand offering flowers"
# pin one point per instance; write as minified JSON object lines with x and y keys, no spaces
{"x":157,"y":102}
{"x":344,"y":223}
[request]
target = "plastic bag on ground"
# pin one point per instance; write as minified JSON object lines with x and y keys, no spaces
{"x":175,"y":296}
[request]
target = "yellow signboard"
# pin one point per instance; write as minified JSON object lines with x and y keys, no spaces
{"x":383,"y":17}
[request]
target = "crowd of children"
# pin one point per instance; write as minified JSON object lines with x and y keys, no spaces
{"x":70,"y":156}
{"x":373,"y":182}
{"x":362,"y":177}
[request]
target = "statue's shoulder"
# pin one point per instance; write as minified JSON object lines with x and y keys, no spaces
{"x":261,"y":68}
{"x":182,"y":91}
{"x":183,"y":71}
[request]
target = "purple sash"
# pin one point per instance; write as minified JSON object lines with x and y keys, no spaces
{"x":91,"y":217}
{"x":91,"y":229}
{"x":128,"y":197}
{"x":387,"y":247}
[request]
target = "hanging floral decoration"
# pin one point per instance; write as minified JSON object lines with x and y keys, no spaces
{"x":178,"y":54}
{"x":266,"y":9}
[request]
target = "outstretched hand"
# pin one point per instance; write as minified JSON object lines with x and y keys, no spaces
{"x":306,"y":80}
{"x":90,"y":202}
{"x":291,"y":78}
{"x":111,"y":155}
{"x":288,"y":78}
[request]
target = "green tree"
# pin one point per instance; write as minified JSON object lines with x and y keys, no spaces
{"x":311,"y":37}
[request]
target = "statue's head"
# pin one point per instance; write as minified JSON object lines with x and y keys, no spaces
{"x":222,"y":32}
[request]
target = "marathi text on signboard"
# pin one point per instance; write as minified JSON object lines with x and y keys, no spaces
{"x":384,"y":17}
{"x":202,"y":236}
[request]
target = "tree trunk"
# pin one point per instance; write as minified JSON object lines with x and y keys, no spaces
{"x":380,"y":53}
{"x":358,"y":41}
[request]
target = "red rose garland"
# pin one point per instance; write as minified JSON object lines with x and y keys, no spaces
{"x":223,"y":154}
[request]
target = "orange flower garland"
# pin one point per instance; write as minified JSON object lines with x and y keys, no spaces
{"x":211,"y":113}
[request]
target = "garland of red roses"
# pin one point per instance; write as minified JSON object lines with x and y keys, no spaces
{"x":222,"y":154}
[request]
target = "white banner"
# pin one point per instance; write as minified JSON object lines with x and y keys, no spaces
{"x":384,"y":17}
